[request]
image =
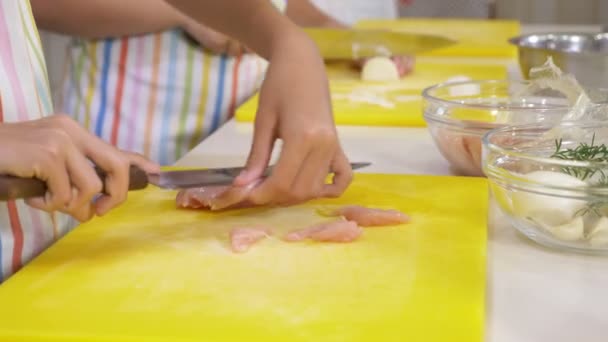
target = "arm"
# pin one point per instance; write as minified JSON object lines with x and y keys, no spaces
{"x":105,"y":18}
{"x":306,"y":14}
{"x":256,"y":23}
{"x":294,"y":103}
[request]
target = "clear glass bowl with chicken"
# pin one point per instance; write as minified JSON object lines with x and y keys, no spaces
{"x":552,"y":182}
{"x":458,"y":114}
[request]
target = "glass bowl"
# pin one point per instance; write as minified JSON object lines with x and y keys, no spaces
{"x":552,"y":182}
{"x":458,"y":114}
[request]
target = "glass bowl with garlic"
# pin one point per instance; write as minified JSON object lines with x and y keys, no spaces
{"x":552,"y":182}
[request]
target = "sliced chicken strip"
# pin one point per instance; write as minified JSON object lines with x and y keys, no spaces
{"x":370,"y":217}
{"x":241,"y":239}
{"x":303,"y":234}
{"x":335,"y":231}
{"x":339,"y":231}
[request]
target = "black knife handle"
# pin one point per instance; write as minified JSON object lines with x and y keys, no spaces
{"x":20,"y":188}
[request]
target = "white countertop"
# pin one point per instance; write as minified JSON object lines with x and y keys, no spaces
{"x":533,"y":294}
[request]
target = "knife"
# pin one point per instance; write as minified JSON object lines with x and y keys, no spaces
{"x":359,"y":43}
{"x":15,"y":188}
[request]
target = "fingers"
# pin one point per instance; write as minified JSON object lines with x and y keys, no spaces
{"x":301,"y":170}
{"x":116,"y":166}
{"x":311,"y":177}
{"x":49,"y":166}
{"x":261,"y":149}
{"x":83,"y":213}
{"x":404,"y":64}
{"x":209,"y":39}
{"x":277,"y":188}
{"x":142,"y":162}
{"x":59,"y":155}
{"x":86,"y":184}
{"x":343,"y":176}
{"x":216,"y":42}
{"x":216,"y":47}
{"x":233,"y":48}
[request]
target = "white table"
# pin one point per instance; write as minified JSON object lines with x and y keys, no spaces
{"x":533,"y":294}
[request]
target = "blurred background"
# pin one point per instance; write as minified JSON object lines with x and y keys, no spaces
{"x":563,"y":12}
{"x":527,"y":11}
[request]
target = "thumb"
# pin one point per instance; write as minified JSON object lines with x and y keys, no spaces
{"x":261,"y":149}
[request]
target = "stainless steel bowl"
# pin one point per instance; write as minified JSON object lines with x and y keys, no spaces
{"x":582,"y":54}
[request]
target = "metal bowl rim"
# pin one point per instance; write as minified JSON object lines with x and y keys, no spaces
{"x":517,"y":42}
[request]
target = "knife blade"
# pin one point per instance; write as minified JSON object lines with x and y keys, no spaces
{"x":20,"y":188}
{"x":360,"y":43}
{"x":194,"y":178}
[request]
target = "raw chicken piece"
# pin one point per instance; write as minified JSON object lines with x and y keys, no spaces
{"x":473,"y":147}
{"x":241,"y":239}
{"x":370,"y":217}
{"x":197,"y":198}
{"x":215,"y":197}
{"x":461,"y":150}
{"x":303,"y":234}
{"x":340,"y":231}
{"x":336,"y":231}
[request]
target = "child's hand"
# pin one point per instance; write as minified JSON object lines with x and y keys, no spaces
{"x":57,"y":150}
{"x":405,"y":64}
{"x":295,"y":106}
{"x":212,"y":40}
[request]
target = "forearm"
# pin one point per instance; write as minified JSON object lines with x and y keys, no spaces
{"x":306,"y":14}
{"x":256,"y":23}
{"x":105,"y":18}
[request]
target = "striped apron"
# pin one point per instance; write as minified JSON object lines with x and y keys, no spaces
{"x":157,"y":94}
{"x":24,"y":95}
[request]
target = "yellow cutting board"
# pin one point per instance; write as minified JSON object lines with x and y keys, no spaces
{"x":476,"y":37}
{"x":387,"y":103}
{"x":150,"y":272}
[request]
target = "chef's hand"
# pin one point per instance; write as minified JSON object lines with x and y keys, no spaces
{"x":295,"y":107}
{"x":404,"y":64}
{"x":58,"y":151}
{"x":212,"y":40}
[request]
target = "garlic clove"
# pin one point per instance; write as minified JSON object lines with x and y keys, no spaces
{"x":598,"y":236}
{"x":571,"y":231}
{"x":553,"y":210}
{"x":380,"y":69}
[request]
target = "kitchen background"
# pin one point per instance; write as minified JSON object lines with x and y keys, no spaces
{"x":574,"y":12}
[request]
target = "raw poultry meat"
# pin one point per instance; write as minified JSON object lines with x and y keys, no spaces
{"x":461,"y":150}
{"x":334,"y":231}
{"x":215,"y":197}
{"x":241,"y":239}
{"x":369,"y":217}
